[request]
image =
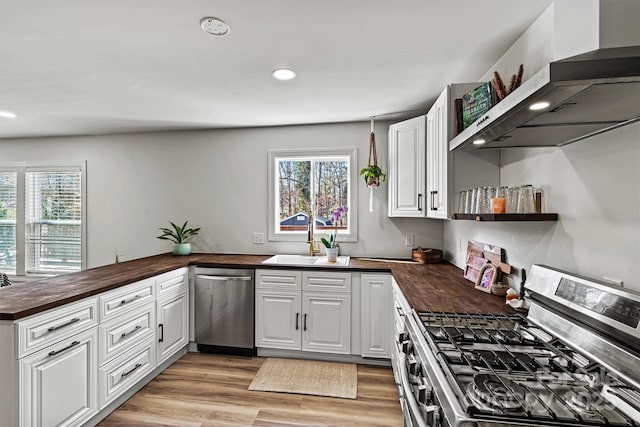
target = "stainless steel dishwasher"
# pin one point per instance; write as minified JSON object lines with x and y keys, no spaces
{"x":224,"y":311}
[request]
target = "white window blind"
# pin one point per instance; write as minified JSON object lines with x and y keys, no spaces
{"x":53,"y":220}
{"x":8,"y":203}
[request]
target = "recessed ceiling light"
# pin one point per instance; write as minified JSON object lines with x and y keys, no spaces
{"x":214,"y":26}
{"x":283,"y":74}
{"x":8,"y":114}
{"x":539,"y":105}
{"x":479,"y":141}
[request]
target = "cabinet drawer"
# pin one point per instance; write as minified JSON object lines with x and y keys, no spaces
{"x":173,"y":281}
{"x":117,"y":376}
{"x":326,"y":281}
{"x":52,"y":326}
{"x":119,"y":334}
{"x":279,"y":279}
{"x":121,"y":300}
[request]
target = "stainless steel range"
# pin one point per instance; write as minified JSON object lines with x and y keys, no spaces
{"x":574,"y":361}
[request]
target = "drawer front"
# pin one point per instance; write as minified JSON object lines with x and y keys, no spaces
{"x":117,"y":376}
{"x":121,"y":300}
{"x":49,"y":327}
{"x":326,"y":281}
{"x":279,"y":279}
{"x":120,"y":334}
{"x":173,"y":281}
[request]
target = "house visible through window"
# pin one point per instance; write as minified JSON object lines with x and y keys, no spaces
{"x":317,"y":181}
{"x":41,"y":220}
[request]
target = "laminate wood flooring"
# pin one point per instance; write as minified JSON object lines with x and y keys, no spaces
{"x":203,"y":390}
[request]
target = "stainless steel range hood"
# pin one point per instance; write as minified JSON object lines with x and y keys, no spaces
{"x":587,"y":94}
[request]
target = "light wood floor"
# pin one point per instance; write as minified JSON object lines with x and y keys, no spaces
{"x":202,"y":390}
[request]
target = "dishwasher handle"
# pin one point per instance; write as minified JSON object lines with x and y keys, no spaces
{"x":224,"y":278}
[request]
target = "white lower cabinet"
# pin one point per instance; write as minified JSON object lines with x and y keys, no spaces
{"x":118,"y":375}
{"x":278,"y":319}
{"x":326,"y":322}
{"x":63,"y":366}
{"x":173,"y":325}
{"x":58,"y":385}
{"x":376,"y":311}
{"x":309,"y":310}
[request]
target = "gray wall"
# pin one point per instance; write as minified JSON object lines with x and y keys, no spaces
{"x":216,"y":180}
{"x":593,"y":186}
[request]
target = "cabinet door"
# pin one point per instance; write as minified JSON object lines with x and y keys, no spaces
{"x":437,"y":158}
{"x":173,"y":325}
{"x":278,"y":319}
{"x":407,"y":168}
{"x":376,"y":313}
{"x":58,"y":385}
{"x":326,"y":322}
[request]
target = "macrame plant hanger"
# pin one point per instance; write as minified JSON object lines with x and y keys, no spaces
{"x":372,"y":154}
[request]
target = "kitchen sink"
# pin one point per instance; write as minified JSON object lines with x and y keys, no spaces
{"x":307,"y":261}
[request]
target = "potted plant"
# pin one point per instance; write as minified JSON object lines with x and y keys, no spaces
{"x":331,"y":245}
{"x":179,"y":236}
{"x":373,"y":175}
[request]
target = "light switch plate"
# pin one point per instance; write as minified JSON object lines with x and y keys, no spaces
{"x":258,"y":238}
{"x":409,"y":239}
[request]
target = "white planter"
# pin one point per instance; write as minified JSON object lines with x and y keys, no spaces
{"x":332,"y":254}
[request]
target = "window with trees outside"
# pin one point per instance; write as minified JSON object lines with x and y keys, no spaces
{"x":41,"y":219}
{"x":311,"y":182}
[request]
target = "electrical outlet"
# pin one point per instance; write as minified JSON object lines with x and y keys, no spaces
{"x":258,"y":238}
{"x":409,"y":239}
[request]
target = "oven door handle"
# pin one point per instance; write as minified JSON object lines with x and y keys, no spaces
{"x":408,"y":395}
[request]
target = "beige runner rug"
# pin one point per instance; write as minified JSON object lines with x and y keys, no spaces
{"x":307,"y":377}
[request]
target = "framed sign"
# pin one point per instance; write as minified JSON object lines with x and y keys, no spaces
{"x":487,"y":277}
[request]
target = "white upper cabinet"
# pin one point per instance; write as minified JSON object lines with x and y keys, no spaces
{"x":407,"y":168}
{"x":449,"y":172}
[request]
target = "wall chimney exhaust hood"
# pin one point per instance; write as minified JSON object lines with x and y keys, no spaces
{"x":587,"y":94}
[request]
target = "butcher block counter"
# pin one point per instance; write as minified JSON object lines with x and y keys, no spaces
{"x":437,"y":287}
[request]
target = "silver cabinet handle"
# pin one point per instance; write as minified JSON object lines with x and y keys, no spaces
{"x":297,"y":316}
{"x":132,"y":370}
{"x":127,"y":301}
{"x":304,"y":328}
{"x":419,"y":202}
{"x":124,"y":334}
{"x":161,"y":326}
{"x":55,"y":352}
{"x":433,"y":202}
{"x":70,"y":322}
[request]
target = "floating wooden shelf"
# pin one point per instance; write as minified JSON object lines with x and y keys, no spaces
{"x":507,"y":217}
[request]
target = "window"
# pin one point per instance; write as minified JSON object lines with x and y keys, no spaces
{"x":42,"y":219}
{"x":318,"y":180}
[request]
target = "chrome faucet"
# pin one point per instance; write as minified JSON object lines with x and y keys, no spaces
{"x":314,"y":247}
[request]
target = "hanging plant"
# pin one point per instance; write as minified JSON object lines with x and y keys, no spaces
{"x":372,"y":174}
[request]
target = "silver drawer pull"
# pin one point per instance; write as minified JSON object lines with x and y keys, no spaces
{"x":127,"y":301}
{"x":124,"y":374}
{"x":73,"y":344}
{"x":124,"y":334}
{"x":70,"y":322}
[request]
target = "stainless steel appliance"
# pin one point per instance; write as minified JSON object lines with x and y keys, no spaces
{"x":224,"y":307}
{"x":574,"y":361}
{"x":577,"y":89}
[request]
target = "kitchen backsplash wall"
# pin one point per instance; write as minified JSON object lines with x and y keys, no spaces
{"x":216,"y":180}
{"x":594,"y":187}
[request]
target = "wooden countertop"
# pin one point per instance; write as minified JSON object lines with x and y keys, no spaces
{"x":437,"y":287}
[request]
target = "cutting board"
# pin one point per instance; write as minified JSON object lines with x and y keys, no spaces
{"x":479,"y":254}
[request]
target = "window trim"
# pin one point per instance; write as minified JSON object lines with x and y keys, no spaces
{"x":274,"y":155}
{"x":21,"y":168}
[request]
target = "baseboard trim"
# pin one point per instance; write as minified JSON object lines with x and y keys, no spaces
{"x":328,"y":357}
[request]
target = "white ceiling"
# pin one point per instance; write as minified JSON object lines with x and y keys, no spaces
{"x":78,"y":67}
